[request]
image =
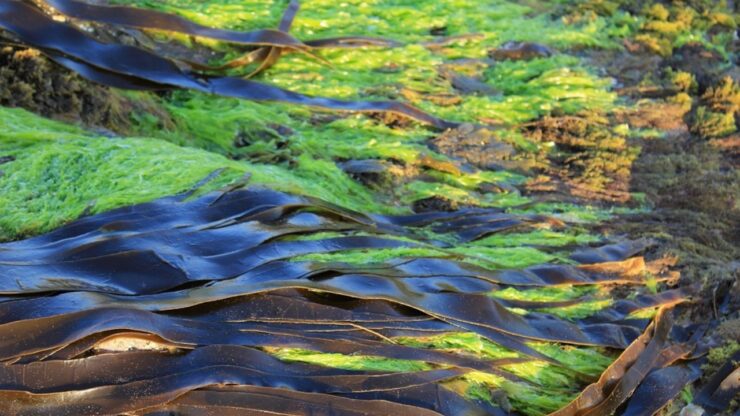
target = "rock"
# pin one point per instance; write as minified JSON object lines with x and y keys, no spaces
{"x":366,"y":171}
{"x":691,"y":410}
{"x":697,"y":59}
{"x":474,"y":145}
{"x":269,"y":132}
{"x":434,"y":203}
{"x":467,"y":85}
{"x":520,"y":51}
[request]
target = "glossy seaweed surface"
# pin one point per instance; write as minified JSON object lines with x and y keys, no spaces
{"x":363,"y":208}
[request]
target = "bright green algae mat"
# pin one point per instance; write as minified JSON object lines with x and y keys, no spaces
{"x":60,"y":171}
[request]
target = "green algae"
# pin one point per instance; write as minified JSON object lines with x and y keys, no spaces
{"x":545,"y":294}
{"x":61,"y":172}
{"x":370,"y":256}
{"x":582,"y":309}
{"x":586,"y":360}
{"x":460,"y":341}
{"x":58,"y":174}
{"x":662,"y":27}
{"x":648,"y":313}
{"x":710,"y":124}
{"x":571,"y":213}
{"x":551,"y":386}
{"x":492,"y":259}
{"x":416,"y":190}
{"x":247,"y":131}
{"x":349,"y":362}
{"x":34,"y":138}
{"x":404,"y":20}
{"x":504,"y":257}
{"x":476,"y":385}
{"x":718,"y":108}
{"x":542,"y":238}
{"x":21,"y":127}
{"x":309,"y":154}
{"x":719,"y":355}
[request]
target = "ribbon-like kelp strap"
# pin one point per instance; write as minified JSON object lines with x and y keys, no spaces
{"x":100,"y":370}
{"x":47,"y":336}
{"x":252,"y":400}
{"x":660,"y":387}
{"x":272,"y":43}
{"x":136,"y":395}
{"x":352,"y":42}
{"x":643,"y":366}
{"x":722,"y":387}
{"x":36,"y":29}
{"x":151,"y":19}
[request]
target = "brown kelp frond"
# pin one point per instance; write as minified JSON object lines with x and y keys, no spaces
{"x":129,"y":67}
{"x":722,"y":387}
{"x":150,"y":19}
{"x":647,"y":363}
{"x":208,"y":289}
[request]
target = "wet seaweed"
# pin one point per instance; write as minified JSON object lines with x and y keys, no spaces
{"x":208,"y":275}
{"x":319,"y":309}
{"x":129,"y":67}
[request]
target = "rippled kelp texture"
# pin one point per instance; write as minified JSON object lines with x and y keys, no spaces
{"x":210,"y":281}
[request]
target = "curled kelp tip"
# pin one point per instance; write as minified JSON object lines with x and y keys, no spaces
{"x":111,"y":64}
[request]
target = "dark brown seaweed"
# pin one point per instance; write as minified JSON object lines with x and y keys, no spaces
{"x":123,"y":65}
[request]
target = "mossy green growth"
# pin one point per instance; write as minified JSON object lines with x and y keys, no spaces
{"x":662,"y":26}
{"x":404,"y":20}
{"x":647,"y":313}
{"x":580,"y":310}
{"x":586,"y":360}
{"x":718,"y":356}
{"x":586,"y":307}
{"x":460,"y":341}
{"x":710,"y":124}
{"x":349,"y":362}
{"x":504,"y":257}
{"x":22,"y":127}
{"x":576,"y":213}
{"x":546,"y":238}
{"x":546,"y":294}
{"x":417,"y":190}
{"x":246,"y":130}
{"x":718,"y":109}
{"x":75,"y":171}
{"x":363,"y":256}
{"x":489,"y":258}
{"x":60,"y":172}
{"x":561,"y":83}
{"x":551,"y":388}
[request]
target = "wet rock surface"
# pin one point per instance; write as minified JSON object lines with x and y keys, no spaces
{"x":477,"y":146}
{"x":520,"y":51}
